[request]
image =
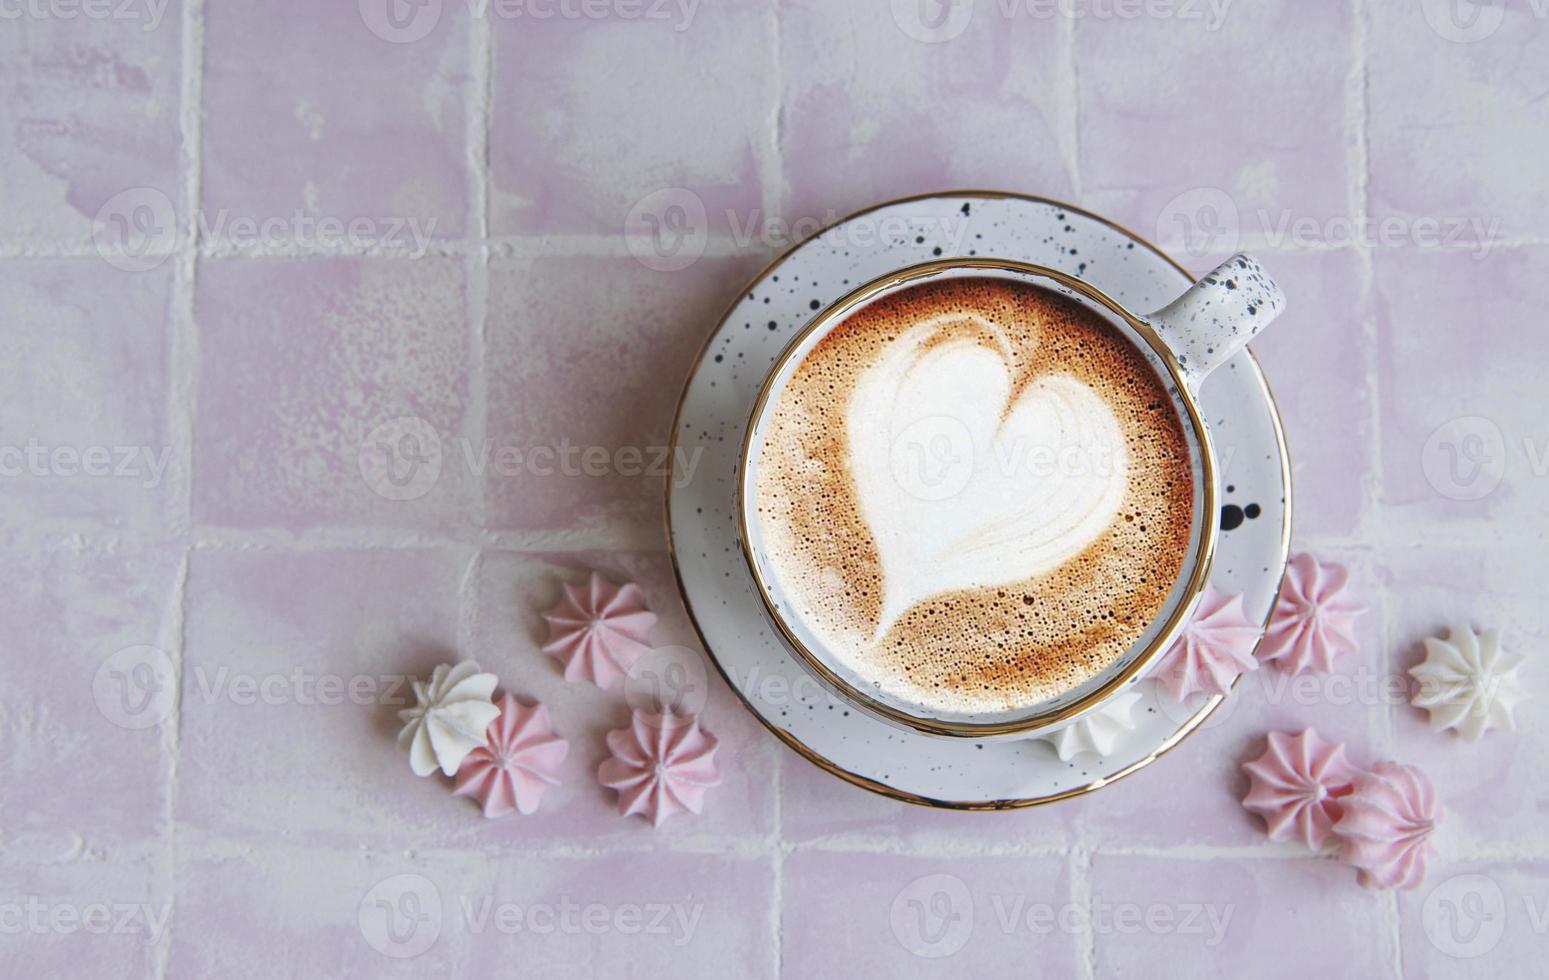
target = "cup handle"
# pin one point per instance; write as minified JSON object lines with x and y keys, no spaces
{"x":1218,"y":316}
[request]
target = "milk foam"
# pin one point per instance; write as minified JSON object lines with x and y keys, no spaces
{"x":966,"y":483}
{"x":974,"y":494}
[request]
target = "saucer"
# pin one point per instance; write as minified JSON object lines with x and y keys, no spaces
{"x":717,"y":587}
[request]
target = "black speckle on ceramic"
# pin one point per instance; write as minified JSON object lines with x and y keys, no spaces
{"x":1211,"y":322}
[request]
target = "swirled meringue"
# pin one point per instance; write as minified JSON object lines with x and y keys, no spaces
{"x":449,"y":719}
{"x":662,"y":764}
{"x":1295,"y":786}
{"x":1314,"y":618}
{"x":1213,"y":649}
{"x":518,"y":765}
{"x":1468,"y":683}
{"x":1098,"y":732}
{"x":598,"y":630}
{"x":1385,"y":831}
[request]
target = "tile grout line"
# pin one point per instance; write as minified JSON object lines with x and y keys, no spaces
{"x":1081,"y":897}
{"x":777,"y":897}
{"x":176,"y":633}
{"x":780,"y":850}
{"x":468,"y":605}
{"x":185,"y":356}
{"x":480,"y":112}
{"x":718,"y":245}
{"x":1359,"y":120}
{"x":1070,"y":98}
{"x":753,"y":847}
{"x":1372,"y":523}
{"x":772,"y":190}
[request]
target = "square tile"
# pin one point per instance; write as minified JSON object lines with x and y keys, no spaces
{"x":1181,"y":917}
{"x":899,"y":915}
{"x":587,"y":358}
{"x":873,"y":108}
{"x":1192,"y":795}
{"x":87,"y":701}
{"x":85,"y":918}
{"x":1476,"y":920}
{"x":1318,"y":360}
{"x":295,"y":669}
{"x":1490,"y":790}
{"x":343,"y":913}
{"x":310,"y":113}
{"x":1239,"y":120}
{"x":332,"y":392}
{"x":90,"y":113}
{"x":1464,"y":443}
{"x":85,"y":399}
{"x":513,"y":591}
{"x":593,"y":114}
{"x":1457,"y":116}
{"x":649,"y":915}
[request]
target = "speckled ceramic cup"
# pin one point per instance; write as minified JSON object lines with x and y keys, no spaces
{"x":1183,"y":343}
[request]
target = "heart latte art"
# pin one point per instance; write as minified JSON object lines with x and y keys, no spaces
{"x":975,"y":494}
{"x":1012,"y":480}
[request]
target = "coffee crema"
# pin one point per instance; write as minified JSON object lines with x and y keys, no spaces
{"x":975,"y":493}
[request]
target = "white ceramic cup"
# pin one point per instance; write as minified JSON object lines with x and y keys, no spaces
{"x":1183,"y":342}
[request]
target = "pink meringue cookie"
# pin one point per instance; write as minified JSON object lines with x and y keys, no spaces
{"x":1213,"y":649}
{"x":1314,"y":619}
{"x":1389,"y":816}
{"x":662,"y":764}
{"x":520,"y":763}
{"x":598,"y":630}
{"x":1295,"y":784}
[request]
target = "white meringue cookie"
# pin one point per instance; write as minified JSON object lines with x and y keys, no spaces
{"x":1468,"y":683}
{"x":450,"y":718}
{"x":1097,"y":733}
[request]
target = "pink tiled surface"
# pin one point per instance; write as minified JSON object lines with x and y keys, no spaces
{"x":911,"y":915}
{"x":587,"y":114}
{"x":1235,"y":916}
{"x":555,"y":336}
{"x":1253,"y":111}
{"x":864,"y":118}
{"x":289,"y":126}
{"x":300,"y":360}
{"x":329,"y":235}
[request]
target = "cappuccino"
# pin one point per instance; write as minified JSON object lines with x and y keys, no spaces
{"x":975,"y":493}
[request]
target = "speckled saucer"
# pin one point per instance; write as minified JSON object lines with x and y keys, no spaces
{"x":702,"y":521}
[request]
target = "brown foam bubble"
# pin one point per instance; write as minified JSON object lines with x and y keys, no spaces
{"x":986,"y":649}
